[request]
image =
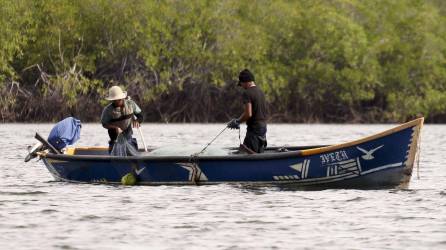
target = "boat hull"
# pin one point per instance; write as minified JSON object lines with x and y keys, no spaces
{"x":382,"y":160}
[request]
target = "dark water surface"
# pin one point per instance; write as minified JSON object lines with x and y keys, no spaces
{"x":39,"y":213}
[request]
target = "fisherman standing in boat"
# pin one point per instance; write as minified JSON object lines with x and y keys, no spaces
{"x":119,"y":116}
{"x":254,"y":114}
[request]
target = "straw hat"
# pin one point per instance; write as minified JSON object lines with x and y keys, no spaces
{"x":115,"y":93}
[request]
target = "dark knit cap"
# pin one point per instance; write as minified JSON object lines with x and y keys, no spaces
{"x":245,"y":76}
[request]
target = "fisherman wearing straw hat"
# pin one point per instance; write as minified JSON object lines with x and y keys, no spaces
{"x":118,"y":116}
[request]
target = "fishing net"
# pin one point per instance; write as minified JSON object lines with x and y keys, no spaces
{"x":123,"y":147}
{"x":187,"y":150}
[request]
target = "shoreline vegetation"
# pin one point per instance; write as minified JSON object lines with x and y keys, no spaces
{"x":338,"y":61}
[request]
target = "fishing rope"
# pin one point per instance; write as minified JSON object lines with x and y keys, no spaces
{"x":193,"y":158}
{"x":418,"y":155}
{"x":221,"y":132}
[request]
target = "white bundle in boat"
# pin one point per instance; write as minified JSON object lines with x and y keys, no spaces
{"x":188,"y":150}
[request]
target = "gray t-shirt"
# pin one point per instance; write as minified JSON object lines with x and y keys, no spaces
{"x":120,"y":116}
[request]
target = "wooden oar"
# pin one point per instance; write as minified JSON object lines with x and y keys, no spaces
{"x":140,"y":134}
{"x":142,"y":138}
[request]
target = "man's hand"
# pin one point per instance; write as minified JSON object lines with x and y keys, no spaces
{"x":135,"y":124}
{"x":118,"y":130}
{"x":234,"y":124}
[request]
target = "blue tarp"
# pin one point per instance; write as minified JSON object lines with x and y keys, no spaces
{"x":66,"y":132}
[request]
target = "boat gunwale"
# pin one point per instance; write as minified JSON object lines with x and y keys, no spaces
{"x":235,"y":157}
{"x":413,"y":123}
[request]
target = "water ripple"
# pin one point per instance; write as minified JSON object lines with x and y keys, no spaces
{"x":39,"y":213}
{"x":22,"y":193}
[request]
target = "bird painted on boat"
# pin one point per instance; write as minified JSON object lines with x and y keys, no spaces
{"x":368,"y":154}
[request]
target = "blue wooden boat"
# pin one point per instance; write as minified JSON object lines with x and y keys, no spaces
{"x":379,"y":161}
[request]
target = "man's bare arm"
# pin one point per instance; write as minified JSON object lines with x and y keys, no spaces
{"x":247,"y":113}
{"x":109,"y":126}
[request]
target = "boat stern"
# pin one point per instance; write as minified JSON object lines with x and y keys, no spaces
{"x":414,"y":149}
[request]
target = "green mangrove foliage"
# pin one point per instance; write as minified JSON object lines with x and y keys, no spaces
{"x":316,"y":60}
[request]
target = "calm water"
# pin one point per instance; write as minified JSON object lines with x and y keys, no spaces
{"x":39,"y":213}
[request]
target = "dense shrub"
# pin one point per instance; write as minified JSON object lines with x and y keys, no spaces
{"x":316,"y":60}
